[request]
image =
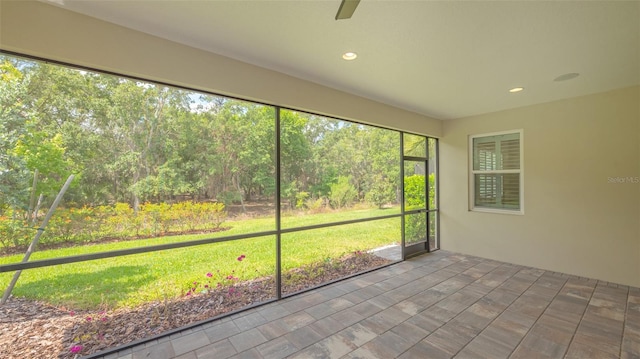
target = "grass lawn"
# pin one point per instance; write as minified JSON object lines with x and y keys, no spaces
{"x":136,"y":279}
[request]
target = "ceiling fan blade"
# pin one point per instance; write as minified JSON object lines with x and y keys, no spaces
{"x":347,"y":7}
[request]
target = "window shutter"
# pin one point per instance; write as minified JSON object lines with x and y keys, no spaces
{"x":497,"y":171}
{"x":510,"y":154}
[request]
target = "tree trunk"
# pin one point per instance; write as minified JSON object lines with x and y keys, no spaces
{"x":136,"y":204}
{"x":237,"y":185}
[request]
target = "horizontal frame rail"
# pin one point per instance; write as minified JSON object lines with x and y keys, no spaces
{"x":160,"y":247}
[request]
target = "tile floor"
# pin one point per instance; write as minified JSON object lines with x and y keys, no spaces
{"x":439,"y":305}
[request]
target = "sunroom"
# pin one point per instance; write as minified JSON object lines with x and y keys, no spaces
{"x":258,"y":179}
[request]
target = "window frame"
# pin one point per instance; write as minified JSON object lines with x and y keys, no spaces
{"x":276,"y":233}
{"x":11,"y":267}
{"x":473,"y":172}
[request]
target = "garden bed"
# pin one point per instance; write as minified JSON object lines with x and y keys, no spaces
{"x":32,"y":329}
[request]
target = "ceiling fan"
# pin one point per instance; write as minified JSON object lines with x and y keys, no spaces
{"x":346,"y":9}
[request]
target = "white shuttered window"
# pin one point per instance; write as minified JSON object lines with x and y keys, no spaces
{"x":496,"y":172}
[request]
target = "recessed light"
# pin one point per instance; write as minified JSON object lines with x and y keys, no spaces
{"x":349,"y":56}
{"x":566,"y":77}
{"x":516,"y":89}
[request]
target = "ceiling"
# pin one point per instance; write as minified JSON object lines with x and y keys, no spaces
{"x":444,"y":59}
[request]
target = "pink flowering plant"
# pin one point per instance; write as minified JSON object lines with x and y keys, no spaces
{"x":93,"y":328}
{"x":216,"y":280}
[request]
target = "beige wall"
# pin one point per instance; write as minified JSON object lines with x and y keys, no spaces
{"x":576,"y":221}
{"x":43,"y":30}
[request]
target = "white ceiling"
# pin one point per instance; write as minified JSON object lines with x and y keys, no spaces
{"x":444,"y":59}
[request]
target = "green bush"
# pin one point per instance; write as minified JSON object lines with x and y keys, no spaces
{"x":415,"y":229}
{"x":315,"y":205}
{"x":382,"y":192}
{"x":414,"y":192}
{"x":14,"y":233}
{"x":212,"y":214}
{"x":230,"y":197}
{"x":158,"y":218}
{"x":87,"y":224}
{"x":416,"y":224}
{"x":301,"y":199}
{"x":343,"y":194}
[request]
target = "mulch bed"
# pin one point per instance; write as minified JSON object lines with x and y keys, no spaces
{"x":33,"y":329}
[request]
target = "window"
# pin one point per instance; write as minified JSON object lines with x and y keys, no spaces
{"x":206,"y":195}
{"x":496,"y":172}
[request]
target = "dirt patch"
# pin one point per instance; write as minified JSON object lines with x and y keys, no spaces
{"x":257,"y":208}
{"x":33,"y":329}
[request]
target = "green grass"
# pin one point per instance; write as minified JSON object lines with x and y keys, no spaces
{"x":136,"y":279}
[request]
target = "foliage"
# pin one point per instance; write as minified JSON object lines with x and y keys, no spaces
{"x":382,"y":192}
{"x":315,"y":205}
{"x":415,"y":228}
{"x":343,"y":194}
{"x":90,"y":224}
{"x":13,"y":173}
{"x":135,"y":142}
{"x":15,"y":233}
{"x":46,"y":155}
{"x":415,"y":192}
{"x":229,"y":197}
{"x":302,"y":199}
{"x":289,"y":193}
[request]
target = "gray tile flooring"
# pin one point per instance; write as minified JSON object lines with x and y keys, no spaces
{"x":439,"y":305}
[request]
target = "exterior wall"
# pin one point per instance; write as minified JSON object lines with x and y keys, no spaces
{"x":39,"y":29}
{"x":581,"y":190}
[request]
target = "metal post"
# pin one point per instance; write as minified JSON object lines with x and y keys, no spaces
{"x":34,"y":243}
{"x":278,"y":208}
{"x":402,"y":209}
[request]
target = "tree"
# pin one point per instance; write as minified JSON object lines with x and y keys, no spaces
{"x":13,"y":172}
{"x":384,"y":176}
{"x":295,"y":154}
{"x":45,"y":154}
{"x":133,"y":141}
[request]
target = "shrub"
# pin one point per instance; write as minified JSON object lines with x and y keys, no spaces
{"x":214,"y":213}
{"x":186,"y":215}
{"x":414,"y":191}
{"x":74,"y":225}
{"x":382,"y":192}
{"x":301,"y":200}
{"x":158,"y":217}
{"x":416,"y":225}
{"x":415,"y":228}
{"x":315,"y":205}
{"x":229,"y":197}
{"x":87,"y":224}
{"x":14,"y":233}
{"x":121,"y":222}
{"x":289,"y":192}
{"x":343,"y":194}
{"x":203,"y":215}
